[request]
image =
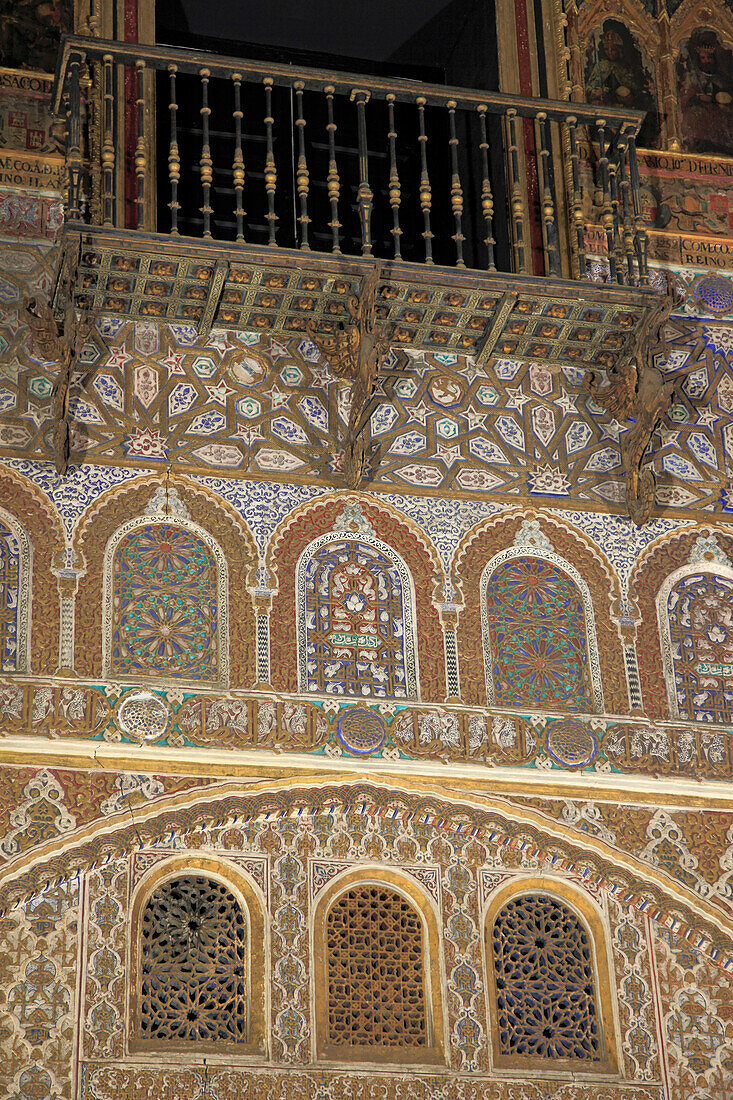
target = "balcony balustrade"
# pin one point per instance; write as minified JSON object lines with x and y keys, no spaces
{"x":436,"y":169}
{"x":220,"y":190}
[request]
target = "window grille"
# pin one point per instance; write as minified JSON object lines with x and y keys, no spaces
{"x":193,"y":960}
{"x":376,"y":994}
{"x":545,"y":996}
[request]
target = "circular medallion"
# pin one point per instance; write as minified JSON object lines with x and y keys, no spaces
{"x":571,"y":743}
{"x":716,"y":293}
{"x":445,"y":391}
{"x":247,"y":370}
{"x":143,"y":715}
{"x":361,"y":731}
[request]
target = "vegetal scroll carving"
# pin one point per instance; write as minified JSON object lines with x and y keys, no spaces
{"x":62,"y":343}
{"x":637,"y":391}
{"x":356,"y":352}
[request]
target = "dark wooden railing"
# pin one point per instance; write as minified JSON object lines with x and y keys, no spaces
{"x":340,"y":162}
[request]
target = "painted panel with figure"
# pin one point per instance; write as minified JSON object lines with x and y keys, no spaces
{"x":31,"y":32}
{"x":705,"y":81}
{"x":616,"y":76}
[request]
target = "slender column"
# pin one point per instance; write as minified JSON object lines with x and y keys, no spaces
{"x":141,"y":156}
{"x":206,"y":164}
{"x":174,"y":159}
{"x":68,"y":580}
{"x":616,"y":213}
{"x":238,"y":162}
{"x":628,"y":221}
{"x":517,"y":203}
{"x":456,"y":190}
{"x":605,"y":186}
{"x":627,"y":630}
{"x":548,"y":201}
{"x":449,"y":612}
{"x":108,"y":142}
{"x":301,"y":175}
{"x":395,"y":190}
{"x":73,"y":141}
{"x":426,"y":195}
{"x":364,"y":194}
{"x":333,"y":182}
{"x":270,"y":170}
{"x":578,"y":220}
{"x":262,"y":601}
{"x":640,"y":238}
{"x":487,"y":197}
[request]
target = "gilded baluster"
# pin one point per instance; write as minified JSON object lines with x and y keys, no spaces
{"x":426,"y":195}
{"x":238,"y":162}
{"x":270,"y":170}
{"x":206,"y":164}
{"x":73,"y":141}
{"x":364,"y":194}
{"x":616,"y":215}
{"x":517,"y":203}
{"x":605,"y":184}
{"x":174,"y":157}
{"x":108,"y":142}
{"x":548,"y":200}
{"x":395,"y":190}
{"x":640,"y":238}
{"x":141,"y":156}
{"x":456,"y":191}
{"x":333,"y":182}
{"x":487,"y":196}
{"x":626,"y":207}
{"x":302,"y":179}
{"x":578,"y":220}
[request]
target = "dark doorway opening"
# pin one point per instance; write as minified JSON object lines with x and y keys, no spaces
{"x":431,"y":41}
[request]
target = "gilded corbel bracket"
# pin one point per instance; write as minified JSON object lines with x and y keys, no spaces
{"x":356,"y":352}
{"x":60,"y":342}
{"x":637,"y":391}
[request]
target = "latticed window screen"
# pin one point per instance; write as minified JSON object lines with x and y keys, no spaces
{"x":193,"y":958}
{"x":376,"y":994}
{"x":544,"y":982}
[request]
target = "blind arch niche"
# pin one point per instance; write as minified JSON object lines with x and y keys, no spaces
{"x":355,"y":607}
{"x":538,"y":631}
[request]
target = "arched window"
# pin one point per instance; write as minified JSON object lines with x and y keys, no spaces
{"x":539,"y":637}
{"x":546,"y":1010}
{"x":197,"y":965}
{"x":695,"y":608}
{"x":14,"y":595}
{"x":355,"y":620}
{"x":165,"y":603}
{"x":377,"y":951}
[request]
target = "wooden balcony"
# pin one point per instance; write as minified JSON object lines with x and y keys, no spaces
{"x":219,"y":191}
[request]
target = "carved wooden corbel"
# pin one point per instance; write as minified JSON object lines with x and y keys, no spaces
{"x":637,"y":391}
{"x":356,"y":352}
{"x":60,"y":343}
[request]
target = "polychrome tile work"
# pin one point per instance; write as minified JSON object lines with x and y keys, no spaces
{"x":260,"y":405}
